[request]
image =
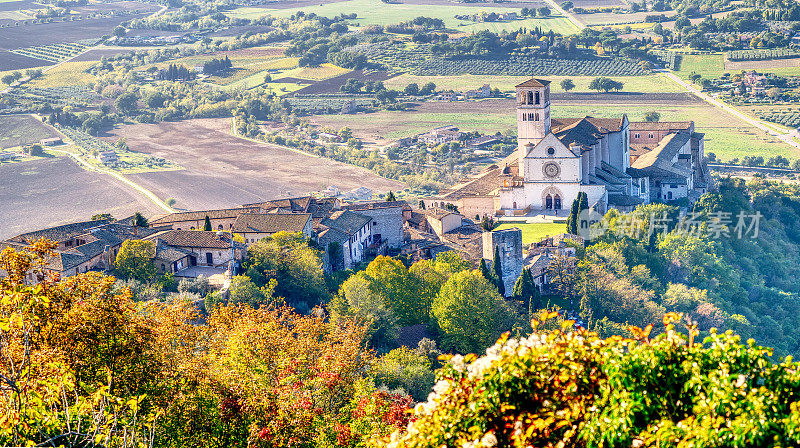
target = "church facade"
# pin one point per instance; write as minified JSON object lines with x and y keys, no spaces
{"x":617,"y":163}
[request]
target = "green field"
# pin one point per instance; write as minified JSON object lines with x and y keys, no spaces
{"x":725,"y":136}
{"x":645,"y":84}
{"x":375,"y":12}
{"x":706,"y":65}
{"x":533,"y":233}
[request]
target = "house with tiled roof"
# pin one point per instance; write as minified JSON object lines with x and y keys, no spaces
{"x":221,"y":219}
{"x":82,"y":246}
{"x":617,"y":163}
{"x":255,"y":226}
{"x":214,"y":249}
{"x":388,"y":219}
{"x":353,"y":231}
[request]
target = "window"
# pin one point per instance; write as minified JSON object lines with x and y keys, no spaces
{"x":669,"y":195}
{"x":163,"y":267}
{"x":636,"y":135}
{"x":650,"y":135}
{"x":219,"y":227}
{"x":537,"y":116}
{"x":524,"y":117}
{"x":551,"y":151}
{"x":530,"y":97}
{"x":537,"y":98}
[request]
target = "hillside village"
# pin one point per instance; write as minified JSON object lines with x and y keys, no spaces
{"x":616,"y":163}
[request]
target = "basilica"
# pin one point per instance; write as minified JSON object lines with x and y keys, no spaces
{"x":617,"y":163}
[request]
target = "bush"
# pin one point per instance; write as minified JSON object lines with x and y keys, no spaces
{"x":572,"y":388}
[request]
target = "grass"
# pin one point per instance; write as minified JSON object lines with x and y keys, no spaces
{"x":725,"y":135}
{"x":705,"y":65}
{"x":66,"y":74}
{"x":645,"y":84}
{"x":375,"y":12}
{"x":533,"y":233}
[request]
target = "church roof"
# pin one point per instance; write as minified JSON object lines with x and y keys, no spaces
{"x":581,"y":131}
{"x":663,"y":154}
{"x":659,"y":125}
{"x":534,"y":82}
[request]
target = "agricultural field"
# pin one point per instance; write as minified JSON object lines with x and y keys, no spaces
{"x":726,"y":136}
{"x":706,"y":65}
{"x":524,"y":66}
{"x":534,"y":232}
{"x":222,"y":170}
{"x":375,"y":12}
{"x":53,"y":53}
{"x":130,"y":162}
{"x":38,"y":34}
{"x":53,"y":191}
{"x":644,"y":84}
{"x":66,"y":74}
{"x":22,"y":130}
{"x":10,"y":61}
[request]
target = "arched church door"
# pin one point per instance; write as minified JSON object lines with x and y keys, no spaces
{"x":557,"y":202}
{"x":548,"y":202}
{"x":515,"y":205}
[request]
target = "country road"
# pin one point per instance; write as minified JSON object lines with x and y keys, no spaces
{"x":147,"y":193}
{"x":787,"y":138}
{"x":566,"y":14}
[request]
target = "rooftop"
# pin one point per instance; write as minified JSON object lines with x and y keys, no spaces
{"x":201,"y":215}
{"x":346,"y":221}
{"x":271,"y":222}
{"x":534,"y":82}
{"x":194,"y":238}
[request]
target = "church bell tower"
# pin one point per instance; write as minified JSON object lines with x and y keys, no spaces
{"x":533,"y":112}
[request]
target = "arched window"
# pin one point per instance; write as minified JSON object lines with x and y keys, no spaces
{"x":220,"y":227}
{"x":524,"y":117}
{"x":537,"y":116}
{"x":557,"y":202}
{"x":515,"y":204}
{"x":548,"y":202}
{"x":530,"y":97}
{"x":537,"y":98}
{"x":163,"y":267}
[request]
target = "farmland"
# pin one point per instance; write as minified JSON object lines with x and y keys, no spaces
{"x":53,"y":191}
{"x":129,"y":162}
{"x":374,"y":12}
{"x":221,"y":170}
{"x":21,"y":130}
{"x":726,"y":136}
{"x":53,"y":53}
{"x":645,"y":84}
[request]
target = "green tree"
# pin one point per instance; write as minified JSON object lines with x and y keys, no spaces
{"x":245,"y":291}
{"x":412,"y":89}
{"x":497,"y":269}
{"x":390,"y":197}
{"x":652,"y":116}
{"x":407,"y":369}
{"x":295,"y":265}
{"x":139,"y":220}
{"x":135,"y":260}
{"x":567,"y":85}
{"x":470,"y":313}
{"x":526,"y":290}
{"x":207,"y":224}
{"x":487,"y":274}
{"x":358,"y":298}
{"x":126,"y":103}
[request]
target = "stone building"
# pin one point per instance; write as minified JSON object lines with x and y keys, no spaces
{"x":509,"y":243}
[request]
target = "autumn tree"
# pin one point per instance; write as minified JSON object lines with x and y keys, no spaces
{"x":135,"y":260}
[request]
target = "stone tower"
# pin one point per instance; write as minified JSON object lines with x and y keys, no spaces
{"x":533,"y":111}
{"x":509,"y":241}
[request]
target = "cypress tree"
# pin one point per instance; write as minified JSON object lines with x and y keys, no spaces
{"x":498,"y":272}
{"x":207,"y":225}
{"x":572,"y":220}
{"x":485,"y":271}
